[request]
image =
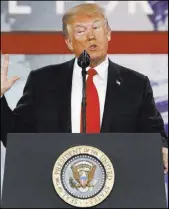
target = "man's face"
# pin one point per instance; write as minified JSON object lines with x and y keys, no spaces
{"x":90,"y":34}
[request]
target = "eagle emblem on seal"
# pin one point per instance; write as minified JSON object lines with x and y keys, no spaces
{"x":83,"y":176}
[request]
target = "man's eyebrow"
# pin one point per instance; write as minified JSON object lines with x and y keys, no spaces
{"x":97,"y":20}
{"x":81,"y":24}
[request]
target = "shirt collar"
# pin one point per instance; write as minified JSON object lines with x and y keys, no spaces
{"x":101,"y":69}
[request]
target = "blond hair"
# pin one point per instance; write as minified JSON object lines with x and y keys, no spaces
{"x":88,"y":9}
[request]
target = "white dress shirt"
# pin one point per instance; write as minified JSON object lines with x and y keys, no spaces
{"x":100,"y":81}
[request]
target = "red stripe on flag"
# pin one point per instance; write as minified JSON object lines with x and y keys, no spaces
{"x":53,"y":43}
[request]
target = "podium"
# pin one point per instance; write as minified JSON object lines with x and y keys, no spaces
{"x":136,"y":159}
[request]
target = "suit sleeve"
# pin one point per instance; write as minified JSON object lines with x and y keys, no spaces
{"x":150,"y":120}
{"x":22,"y":118}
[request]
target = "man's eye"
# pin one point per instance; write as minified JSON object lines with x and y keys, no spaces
{"x":80,"y":32}
{"x":96,"y":27}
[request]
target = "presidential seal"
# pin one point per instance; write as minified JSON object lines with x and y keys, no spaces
{"x":83,"y":176}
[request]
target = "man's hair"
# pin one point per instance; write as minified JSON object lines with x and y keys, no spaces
{"x":89,"y":9}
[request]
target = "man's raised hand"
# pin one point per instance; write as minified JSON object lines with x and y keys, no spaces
{"x":6,"y":83}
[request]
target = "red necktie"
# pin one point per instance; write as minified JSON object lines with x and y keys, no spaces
{"x":92,"y":105}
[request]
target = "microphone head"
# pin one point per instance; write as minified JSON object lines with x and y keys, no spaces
{"x":84,"y":59}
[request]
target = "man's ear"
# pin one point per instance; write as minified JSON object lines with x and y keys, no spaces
{"x":69,"y":44}
{"x":109,"y":33}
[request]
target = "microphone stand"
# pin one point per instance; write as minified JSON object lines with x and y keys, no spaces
{"x":84,"y":100}
{"x":84,"y":62}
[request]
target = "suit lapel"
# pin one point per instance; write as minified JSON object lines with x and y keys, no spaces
{"x":112,"y":94}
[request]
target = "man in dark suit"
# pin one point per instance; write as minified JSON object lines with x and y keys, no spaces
{"x":118,"y":99}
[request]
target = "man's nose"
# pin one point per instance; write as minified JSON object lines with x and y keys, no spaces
{"x":91,"y":35}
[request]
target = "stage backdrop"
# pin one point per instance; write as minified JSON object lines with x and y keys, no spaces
{"x":31,"y":34}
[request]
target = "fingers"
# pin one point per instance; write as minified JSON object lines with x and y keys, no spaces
{"x":165,"y":159}
{"x":5,"y":65}
{"x":165,"y":168}
{"x":13,"y":80}
{"x":165,"y":162}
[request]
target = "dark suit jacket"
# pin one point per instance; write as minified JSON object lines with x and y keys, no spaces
{"x":46,"y":103}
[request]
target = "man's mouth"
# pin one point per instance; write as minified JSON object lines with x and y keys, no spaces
{"x":93,"y":47}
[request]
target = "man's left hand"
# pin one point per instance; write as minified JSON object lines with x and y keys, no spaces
{"x":165,"y":159}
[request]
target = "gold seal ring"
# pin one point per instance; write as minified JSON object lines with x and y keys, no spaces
{"x":83,"y":176}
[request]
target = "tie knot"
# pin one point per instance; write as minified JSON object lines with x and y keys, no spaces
{"x":92,"y":72}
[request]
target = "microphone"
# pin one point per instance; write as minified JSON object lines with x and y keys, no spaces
{"x":83,"y":62}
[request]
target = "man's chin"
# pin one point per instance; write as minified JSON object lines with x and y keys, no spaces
{"x":96,"y":58}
